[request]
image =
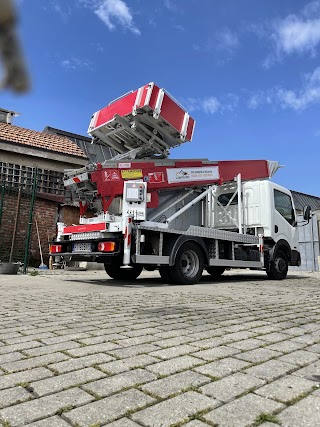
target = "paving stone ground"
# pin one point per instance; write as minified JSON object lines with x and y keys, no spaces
{"x":78,"y":349}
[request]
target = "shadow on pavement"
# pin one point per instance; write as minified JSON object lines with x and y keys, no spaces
{"x":156,"y":282}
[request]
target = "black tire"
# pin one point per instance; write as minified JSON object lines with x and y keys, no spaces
{"x":215,"y":272}
{"x":278,"y":267}
{"x":165,"y":274}
{"x":188,"y":266}
{"x":116,"y":272}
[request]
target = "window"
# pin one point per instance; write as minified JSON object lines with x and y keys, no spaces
{"x":48,"y":181}
{"x":283,"y":204}
{"x":224,"y":199}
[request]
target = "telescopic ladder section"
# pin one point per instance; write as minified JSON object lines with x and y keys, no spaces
{"x":145,"y":123}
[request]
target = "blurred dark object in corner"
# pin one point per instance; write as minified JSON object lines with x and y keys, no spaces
{"x":15,"y":73}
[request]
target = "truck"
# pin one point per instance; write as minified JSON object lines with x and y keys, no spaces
{"x":141,"y":209}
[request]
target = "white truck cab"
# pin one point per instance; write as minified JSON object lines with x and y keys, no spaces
{"x":268,"y":210}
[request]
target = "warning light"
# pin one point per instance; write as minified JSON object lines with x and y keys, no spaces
{"x":55,"y":249}
{"x":106,"y":246}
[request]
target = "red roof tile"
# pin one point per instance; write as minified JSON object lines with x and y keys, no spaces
{"x":44,"y":141}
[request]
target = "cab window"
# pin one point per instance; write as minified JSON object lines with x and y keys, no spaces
{"x":224,"y":199}
{"x":283,"y":204}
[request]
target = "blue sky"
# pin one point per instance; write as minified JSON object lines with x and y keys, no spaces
{"x":247,"y":70}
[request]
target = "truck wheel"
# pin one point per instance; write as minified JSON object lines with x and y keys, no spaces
{"x":116,"y":272}
{"x":165,"y":274}
{"x":215,"y":272}
{"x":189,"y":264}
{"x":278,"y":267}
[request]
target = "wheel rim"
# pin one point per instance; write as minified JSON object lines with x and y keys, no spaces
{"x":190,"y":264}
{"x":281,"y":265}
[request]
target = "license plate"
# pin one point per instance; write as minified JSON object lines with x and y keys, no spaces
{"x":81,"y":247}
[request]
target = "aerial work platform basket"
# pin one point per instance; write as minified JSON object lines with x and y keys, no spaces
{"x":147,"y":122}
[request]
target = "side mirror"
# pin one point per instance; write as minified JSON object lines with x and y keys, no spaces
{"x":307,"y":213}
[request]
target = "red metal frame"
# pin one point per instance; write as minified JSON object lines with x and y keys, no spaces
{"x":85,"y":228}
{"x":170,"y":110}
{"x":110,"y":182}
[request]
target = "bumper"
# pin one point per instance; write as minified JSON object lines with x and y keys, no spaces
{"x":84,"y":250}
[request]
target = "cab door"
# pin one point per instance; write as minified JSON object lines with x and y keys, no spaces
{"x":284,"y":217}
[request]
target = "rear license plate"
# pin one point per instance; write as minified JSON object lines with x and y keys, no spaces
{"x":81,"y":247}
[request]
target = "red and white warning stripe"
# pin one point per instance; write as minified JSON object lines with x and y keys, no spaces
{"x":127,"y":240}
{"x":261,"y":248}
{"x":76,"y":179}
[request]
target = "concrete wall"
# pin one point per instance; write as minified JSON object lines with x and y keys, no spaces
{"x":308,"y":244}
{"x":28,"y":156}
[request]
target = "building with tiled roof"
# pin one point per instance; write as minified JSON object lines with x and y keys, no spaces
{"x":39,"y":140}
{"x":97,"y":152}
{"x":27,"y":157}
{"x":24,"y":150}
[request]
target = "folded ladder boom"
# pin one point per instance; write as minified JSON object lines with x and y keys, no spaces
{"x":140,"y":128}
{"x":147,"y":122}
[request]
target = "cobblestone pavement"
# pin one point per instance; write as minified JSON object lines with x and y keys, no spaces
{"x":77,"y":349}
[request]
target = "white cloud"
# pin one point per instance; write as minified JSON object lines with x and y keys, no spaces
{"x":227,"y":41}
{"x":212,"y":105}
{"x":74,"y":63}
{"x":259,"y":98}
{"x":179,"y":27}
{"x":209,"y":105}
{"x":301,"y":99}
{"x":112,"y":13}
{"x":223,"y":44}
{"x":296,"y":33}
{"x":64,"y":11}
{"x":277,"y":97}
{"x":289,"y":99}
{"x":170,"y":5}
{"x":152,"y":23}
{"x":99,"y":47}
{"x":314,"y":78}
{"x":116,"y":11}
{"x":311,"y":8}
{"x":231,"y":102}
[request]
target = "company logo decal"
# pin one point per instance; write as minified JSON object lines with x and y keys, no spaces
{"x":210,"y":173}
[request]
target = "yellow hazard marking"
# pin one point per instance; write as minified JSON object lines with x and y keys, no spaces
{"x":131,"y":173}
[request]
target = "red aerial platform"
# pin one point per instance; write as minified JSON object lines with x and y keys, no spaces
{"x":140,"y":128}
